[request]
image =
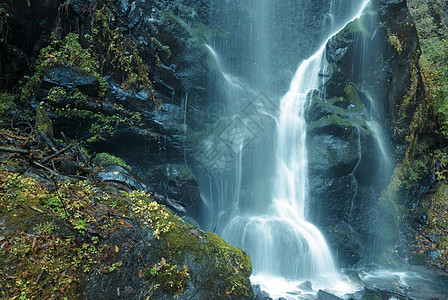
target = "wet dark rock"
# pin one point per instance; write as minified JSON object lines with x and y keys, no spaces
{"x":347,"y":242}
{"x":177,"y":182}
{"x":120,"y":175}
{"x":13,"y":63}
{"x":335,"y":151}
{"x":259,"y":294}
{"x":323,"y":295}
{"x":71,"y":79}
{"x":306,"y":286}
{"x":384,"y":294}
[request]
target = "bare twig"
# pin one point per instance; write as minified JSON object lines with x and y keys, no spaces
{"x":14,"y":150}
{"x":64,"y":138}
{"x":45,"y":168}
{"x":83,"y":157}
{"x":56,"y":154}
{"x":48,"y":141}
{"x":38,"y":277}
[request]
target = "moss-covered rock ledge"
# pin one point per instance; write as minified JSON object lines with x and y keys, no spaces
{"x":62,"y":238}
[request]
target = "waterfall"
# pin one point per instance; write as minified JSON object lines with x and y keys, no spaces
{"x":281,"y":242}
{"x":273,"y":228}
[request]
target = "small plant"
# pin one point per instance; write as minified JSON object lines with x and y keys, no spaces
{"x":6,"y":103}
{"x":68,"y":53}
{"x":104,"y":159}
{"x":395,"y":42}
{"x":45,"y":228}
{"x":171,"y":278}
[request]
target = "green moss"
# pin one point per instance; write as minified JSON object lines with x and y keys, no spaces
{"x":44,"y":267}
{"x":45,"y":264}
{"x":53,"y":242}
{"x":231,"y":265}
{"x":336,"y":119}
{"x":129,"y":67}
{"x":352,"y":96}
{"x":418,"y":259}
{"x":353,"y":27}
{"x":43,"y":122}
{"x":104,"y":159}
{"x":170,"y":278}
{"x":187,"y":174}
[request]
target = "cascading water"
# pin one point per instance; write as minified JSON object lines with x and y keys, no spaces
{"x":273,"y":230}
{"x":281,"y":242}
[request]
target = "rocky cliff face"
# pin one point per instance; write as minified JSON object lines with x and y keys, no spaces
{"x":352,"y":127}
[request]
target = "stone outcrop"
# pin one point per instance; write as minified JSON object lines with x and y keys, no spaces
{"x":350,"y":128}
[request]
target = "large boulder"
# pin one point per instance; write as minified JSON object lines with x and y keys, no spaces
{"x":92,"y":240}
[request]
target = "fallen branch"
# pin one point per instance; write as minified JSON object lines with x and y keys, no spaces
{"x":14,"y":150}
{"x":80,"y":152}
{"x":47,"y":140}
{"x":45,"y":168}
{"x":64,"y":138}
{"x":42,"y":161}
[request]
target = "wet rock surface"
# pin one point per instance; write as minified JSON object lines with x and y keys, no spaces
{"x":348,"y":170}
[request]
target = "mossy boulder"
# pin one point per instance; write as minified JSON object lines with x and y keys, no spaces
{"x":105,"y":159}
{"x":92,"y":241}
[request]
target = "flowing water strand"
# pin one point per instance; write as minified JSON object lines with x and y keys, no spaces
{"x":281,"y":242}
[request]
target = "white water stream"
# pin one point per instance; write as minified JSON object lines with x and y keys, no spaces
{"x":284,"y":247}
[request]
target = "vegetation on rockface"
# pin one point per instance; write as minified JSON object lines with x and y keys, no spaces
{"x":120,"y":54}
{"x":62,"y":231}
{"x":432,"y":239}
{"x":424,"y":162}
{"x":104,"y":51}
{"x":6,"y":104}
{"x":431,"y":23}
{"x":59,"y":233}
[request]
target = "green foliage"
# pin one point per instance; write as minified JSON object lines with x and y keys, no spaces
{"x":68,"y":52}
{"x":121,"y":53}
{"x":442,"y":244}
{"x":46,"y":265}
{"x":102,"y":125}
{"x":170,"y":278}
{"x":434,"y":234}
{"x":156,"y":216}
{"x":431,"y":27}
{"x":6,"y":103}
{"x":104,"y":159}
